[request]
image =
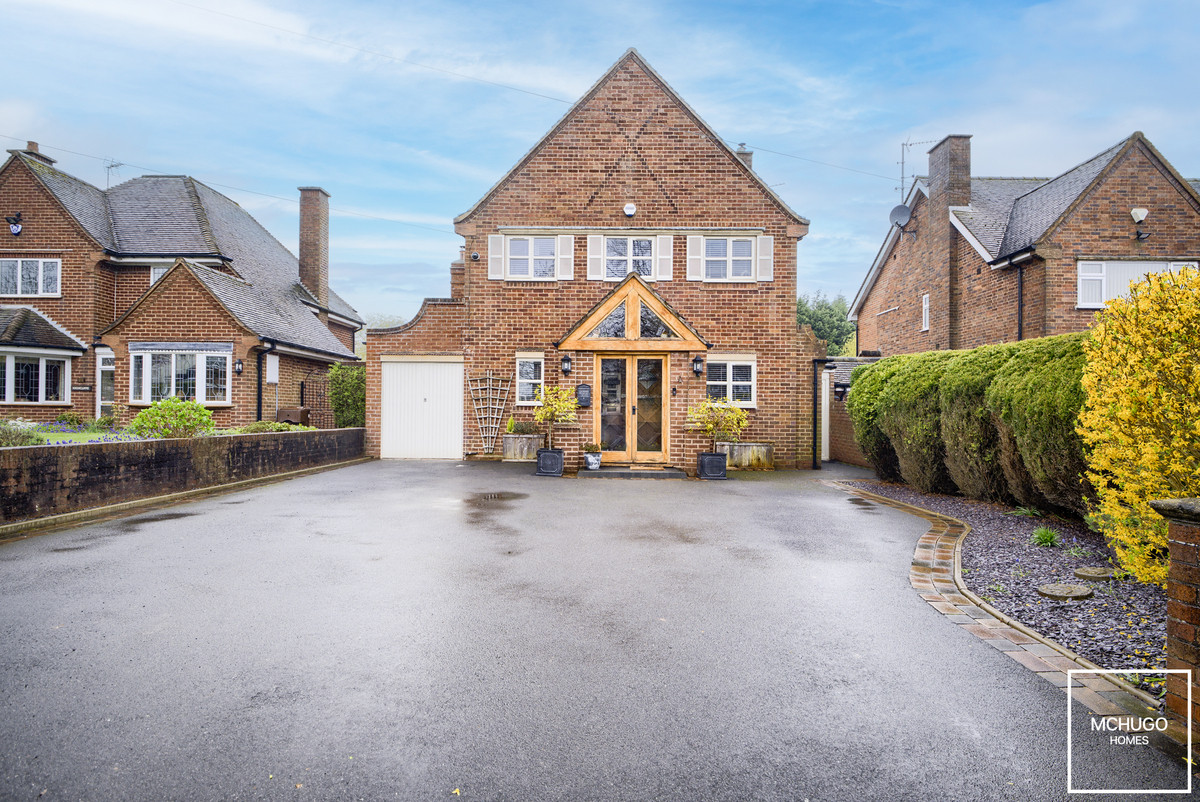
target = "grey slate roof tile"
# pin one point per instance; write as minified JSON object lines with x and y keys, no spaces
{"x":177,"y":216}
{"x":23,"y":326}
{"x":991,"y":204}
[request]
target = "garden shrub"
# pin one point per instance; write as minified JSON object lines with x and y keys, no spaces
{"x":1036,"y":396}
{"x":13,"y":434}
{"x":866,"y":384}
{"x":270,"y":426}
{"x":348,"y":395}
{"x":70,"y":419}
{"x":1141,"y":419}
{"x":972,"y":442}
{"x":910,"y":416}
{"x":524,"y":427}
{"x":172,"y":417}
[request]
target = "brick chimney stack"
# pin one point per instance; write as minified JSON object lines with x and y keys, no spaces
{"x":314,"y":242}
{"x":31,"y":149}
{"x":950,"y":171}
{"x":747,"y":156}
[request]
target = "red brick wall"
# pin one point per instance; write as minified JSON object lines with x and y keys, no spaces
{"x":842,"y":445}
{"x":1183,"y":605}
{"x":582,"y":176}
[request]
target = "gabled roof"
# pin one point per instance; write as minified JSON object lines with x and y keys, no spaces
{"x":23,"y":326}
{"x":638,"y":298}
{"x":634,"y":55}
{"x":165,"y":216}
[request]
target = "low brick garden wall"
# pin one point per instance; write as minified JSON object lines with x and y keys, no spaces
{"x":37,"y":481}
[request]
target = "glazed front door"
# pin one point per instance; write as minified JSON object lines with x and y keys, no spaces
{"x":630,"y":426}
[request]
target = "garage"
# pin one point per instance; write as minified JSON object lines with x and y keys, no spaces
{"x":421,"y":408}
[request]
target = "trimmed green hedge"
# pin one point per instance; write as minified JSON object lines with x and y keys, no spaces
{"x":910,"y":416}
{"x":866,"y":385}
{"x":972,"y":443}
{"x":1037,"y":395}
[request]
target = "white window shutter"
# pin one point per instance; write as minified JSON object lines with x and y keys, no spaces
{"x":496,"y":256}
{"x":566,"y":257}
{"x":595,"y":267}
{"x":766,"y":258}
{"x":695,"y":258}
{"x":665,"y":257}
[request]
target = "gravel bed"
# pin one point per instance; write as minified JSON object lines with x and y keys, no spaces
{"x":1123,"y":626}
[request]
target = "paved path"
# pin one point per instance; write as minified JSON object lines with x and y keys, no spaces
{"x":408,"y":630}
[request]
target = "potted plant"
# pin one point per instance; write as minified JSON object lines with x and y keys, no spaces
{"x":558,"y":406}
{"x":721,"y":421}
{"x":522,"y":439}
{"x":591,"y":456}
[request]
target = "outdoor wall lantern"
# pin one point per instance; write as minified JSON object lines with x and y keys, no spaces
{"x":697,"y":364}
{"x":237,"y":366}
{"x":14,"y":223}
{"x":566,"y":365}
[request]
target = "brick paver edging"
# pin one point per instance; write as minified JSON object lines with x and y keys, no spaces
{"x":936,"y":575}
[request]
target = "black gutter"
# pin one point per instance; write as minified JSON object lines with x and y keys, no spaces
{"x":299,"y":347}
{"x":817,"y":371}
{"x":261,"y":354}
{"x":124,"y":255}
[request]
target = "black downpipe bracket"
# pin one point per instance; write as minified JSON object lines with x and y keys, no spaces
{"x":262,"y":353}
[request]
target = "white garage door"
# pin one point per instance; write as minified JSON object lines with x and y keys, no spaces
{"x":422,"y":410}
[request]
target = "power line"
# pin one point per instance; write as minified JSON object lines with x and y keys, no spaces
{"x":112,"y":163}
{"x":812,"y":161}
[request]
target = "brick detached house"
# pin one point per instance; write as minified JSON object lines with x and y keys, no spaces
{"x":631,"y":255}
{"x":988,"y":260}
{"x":110,"y":300}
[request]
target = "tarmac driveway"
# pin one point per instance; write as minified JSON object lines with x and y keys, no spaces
{"x":447,"y":631}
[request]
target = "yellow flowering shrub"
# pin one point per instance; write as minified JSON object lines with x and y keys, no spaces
{"x":1141,"y":416}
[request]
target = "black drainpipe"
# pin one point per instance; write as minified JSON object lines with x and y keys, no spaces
{"x":1020,"y":302}
{"x":261,"y":354}
{"x":818,"y":369}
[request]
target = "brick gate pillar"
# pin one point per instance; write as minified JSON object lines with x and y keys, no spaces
{"x":1183,"y":603}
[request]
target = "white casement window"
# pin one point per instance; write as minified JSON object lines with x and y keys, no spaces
{"x":531,"y":257}
{"x":35,"y":378}
{"x":157,"y":272}
{"x":625,"y":255}
{"x":733,"y":377}
{"x":731,"y":259}
{"x":728,"y":258}
{"x":193,"y":374}
{"x":925,"y":312}
{"x":1099,"y":282}
{"x":530,"y":380}
{"x":30,"y":277}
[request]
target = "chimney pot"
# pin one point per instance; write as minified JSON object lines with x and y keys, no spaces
{"x":314,"y":242}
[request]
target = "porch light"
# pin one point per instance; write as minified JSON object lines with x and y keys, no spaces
{"x":14,"y":223}
{"x":697,"y":364}
{"x":566,"y":365}
{"x":237,"y":366}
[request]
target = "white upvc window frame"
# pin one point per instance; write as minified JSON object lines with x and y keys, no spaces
{"x":629,"y":258}
{"x":8,"y":384}
{"x":729,"y":259}
{"x":925,"y":312}
{"x":531,"y":358}
{"x":733,"y":364}
{"x":524,"y":249}
{"x":157,"y":272}
{"x":1096,"y":274}
{"x":140,"y":380}
{"x":17,"y":264}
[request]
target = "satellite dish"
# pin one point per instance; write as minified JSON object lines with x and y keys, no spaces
{"x":900,"y":216}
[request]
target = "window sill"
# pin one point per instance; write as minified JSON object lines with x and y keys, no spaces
{"x":29,"y":297}
{"x":729,"y":281}
{"x":207,"y":405}
{"x":527,"y":403}
{"x":1089,"y":308}
{"x":37,"y":403}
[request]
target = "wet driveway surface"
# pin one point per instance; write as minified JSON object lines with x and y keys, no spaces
{"x":441,"y":631}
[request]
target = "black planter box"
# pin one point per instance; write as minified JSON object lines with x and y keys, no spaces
{"x":710,"y":465}
{"x":549,"y":462}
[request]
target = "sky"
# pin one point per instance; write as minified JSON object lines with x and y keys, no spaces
{"x":407,"y":113}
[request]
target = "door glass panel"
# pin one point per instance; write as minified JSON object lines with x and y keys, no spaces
{"x":612,"y":404}
{"x":649,"y":405}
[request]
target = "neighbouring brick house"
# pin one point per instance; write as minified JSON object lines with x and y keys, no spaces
{"x":988,"y":260}
{"x":112,"y":299}
{"x":633,"y":248}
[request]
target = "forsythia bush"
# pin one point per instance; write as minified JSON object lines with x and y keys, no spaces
{"x":1141,"y":419}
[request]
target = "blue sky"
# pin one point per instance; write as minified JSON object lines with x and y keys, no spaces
{"x":408,"y":112}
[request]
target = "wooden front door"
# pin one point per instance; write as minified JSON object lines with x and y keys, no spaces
{"x":631,"y":424}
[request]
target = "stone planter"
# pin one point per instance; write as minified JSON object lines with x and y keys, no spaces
{"x":749,"y":456}
{"x":549,"y":462}
{"x":710,"y":465}
{"x":591,"y":460}
{"x":522,"y":447}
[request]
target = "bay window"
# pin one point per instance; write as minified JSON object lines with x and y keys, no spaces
{"x":191,"y":371}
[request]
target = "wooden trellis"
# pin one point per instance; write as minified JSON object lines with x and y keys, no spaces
{"x":489,"y":394}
